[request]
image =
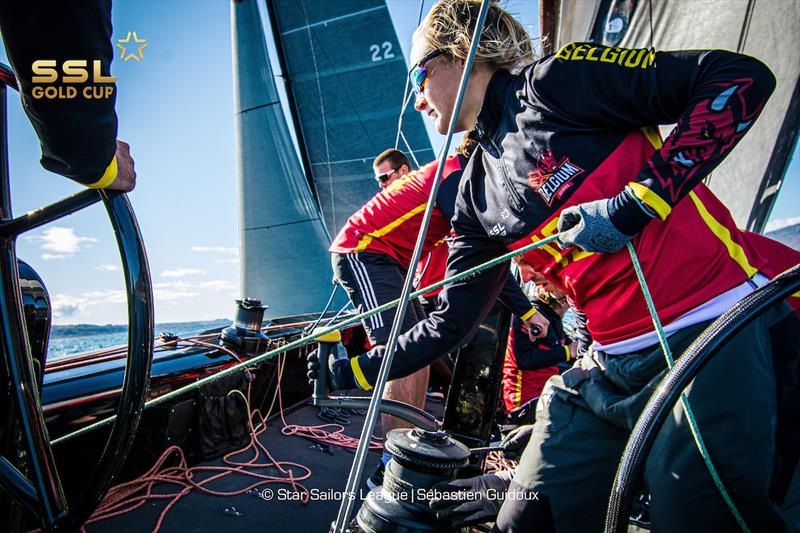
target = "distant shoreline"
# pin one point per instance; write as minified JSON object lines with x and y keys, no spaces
{"x":85,"y":330}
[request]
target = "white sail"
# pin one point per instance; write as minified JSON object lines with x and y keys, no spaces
{"x":749,"y":179}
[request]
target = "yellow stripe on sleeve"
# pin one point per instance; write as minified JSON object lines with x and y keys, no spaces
{"x":654,"y":136}
{"x":529,"y":314}
{"x":651,"y":200}
{"x":108,"y":176}
{"x":359,"y":374}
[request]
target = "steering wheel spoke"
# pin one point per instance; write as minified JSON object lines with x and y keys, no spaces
{"x":18,"y":362}
{"x":52,"y":212}
{"x":40,"y":491}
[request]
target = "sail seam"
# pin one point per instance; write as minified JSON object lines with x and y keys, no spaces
{"x":284,"y":224}
{"x":259,"y":106}
{"x":324,"y":22}
{"x":357,"y":159}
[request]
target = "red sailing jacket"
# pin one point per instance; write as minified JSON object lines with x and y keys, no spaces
{"x":431,"y":269}
{"x":528,"y":365}
{"x":389,"y":223}
{"x":579,"y":126}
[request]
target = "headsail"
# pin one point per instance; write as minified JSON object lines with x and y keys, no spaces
{"x":749,"y":179}
{"x":283,"y":242}
{"x":346,"y":76}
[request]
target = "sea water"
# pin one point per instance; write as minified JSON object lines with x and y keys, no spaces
{"x":70,"y":340}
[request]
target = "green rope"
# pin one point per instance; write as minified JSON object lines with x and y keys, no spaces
{"x":701,"y":446}
{"x":458,"y":277}
{"x":306,"y":340}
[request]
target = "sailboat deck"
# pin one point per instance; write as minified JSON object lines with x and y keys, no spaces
{"x":252,"y":511}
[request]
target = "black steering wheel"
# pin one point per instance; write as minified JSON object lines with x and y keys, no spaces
{"x":669,"y":390}
{"x":40,"y":490}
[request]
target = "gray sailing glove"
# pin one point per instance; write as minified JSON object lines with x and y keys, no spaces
{"x":514,"y":443}
{"x":470,"y":501}
{"x":588,"y":226}
{"x":340,"y":373}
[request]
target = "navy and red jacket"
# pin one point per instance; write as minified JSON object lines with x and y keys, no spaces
{"x":529,"y":364}
{"x":580,"y":125}
{"x":78,"y":136}
{"x":389,"y":223}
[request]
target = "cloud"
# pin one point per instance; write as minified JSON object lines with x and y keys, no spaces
{"x":182,"y":290}
{"x":109,"y":268}
{"x":175,"y":285}
{"x":181,"y":272}
{"x":217,"y":285}
{"x":165,"y":294}
{"x":222,"y":250}
{"x":228,"y":250}
{"x":109,"y":296}
{"x":60,"y":243}
{"x":65,"y":306}
{"x":63,"y":240}
{"x":779,"y":223}
{"x":173,"y":291}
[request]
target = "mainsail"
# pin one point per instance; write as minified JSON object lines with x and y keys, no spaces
{"x":283,"y":242}
{"x":346,"y":74}
{"x":749,"y":179}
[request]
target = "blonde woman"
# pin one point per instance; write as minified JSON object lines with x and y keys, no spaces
{"x":567,"y":143}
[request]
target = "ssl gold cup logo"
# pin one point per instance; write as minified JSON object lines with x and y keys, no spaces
{"x":61,"y":85}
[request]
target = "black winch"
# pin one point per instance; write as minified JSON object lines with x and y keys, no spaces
{"x":245,"y":335}
{"x":420,"y":459}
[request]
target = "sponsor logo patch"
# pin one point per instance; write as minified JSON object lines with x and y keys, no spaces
{"x":551,"y":175}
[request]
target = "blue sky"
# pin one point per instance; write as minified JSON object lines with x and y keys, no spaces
{"x":176,"y":112}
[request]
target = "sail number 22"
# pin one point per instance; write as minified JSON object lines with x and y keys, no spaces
{"x":376,"y":49}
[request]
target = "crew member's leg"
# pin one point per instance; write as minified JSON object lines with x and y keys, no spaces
{"x":412,"y":388}
{"x":583,"y":420}
{"x":564,"y":476}
{"x":733,"y":400}
{"x":371,"y":280}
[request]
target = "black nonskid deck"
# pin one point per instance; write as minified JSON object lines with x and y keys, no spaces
{"x":277,"y":510}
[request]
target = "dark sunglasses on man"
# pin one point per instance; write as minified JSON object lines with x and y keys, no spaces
{"x":381,"y":178}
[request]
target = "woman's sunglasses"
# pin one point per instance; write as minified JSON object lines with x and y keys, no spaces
{"x":419,"y":74}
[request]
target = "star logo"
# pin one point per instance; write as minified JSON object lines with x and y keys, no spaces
{"x":137,"y":44}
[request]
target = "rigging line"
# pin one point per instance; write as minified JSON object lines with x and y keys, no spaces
{"x":334,"y":19}
{"x":302,"y":341}
{"x":406,"y":99}
{"x":698,"y":438}
{"x":338,"y":314}
{"x":406,"y":95}
{"x":650,"y":11}
{"x":410,"y":150}
{"x":357,"y":468}
{"x":748,"y":16}
{"x":322,"y":114}
{"x":325,"y":310}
